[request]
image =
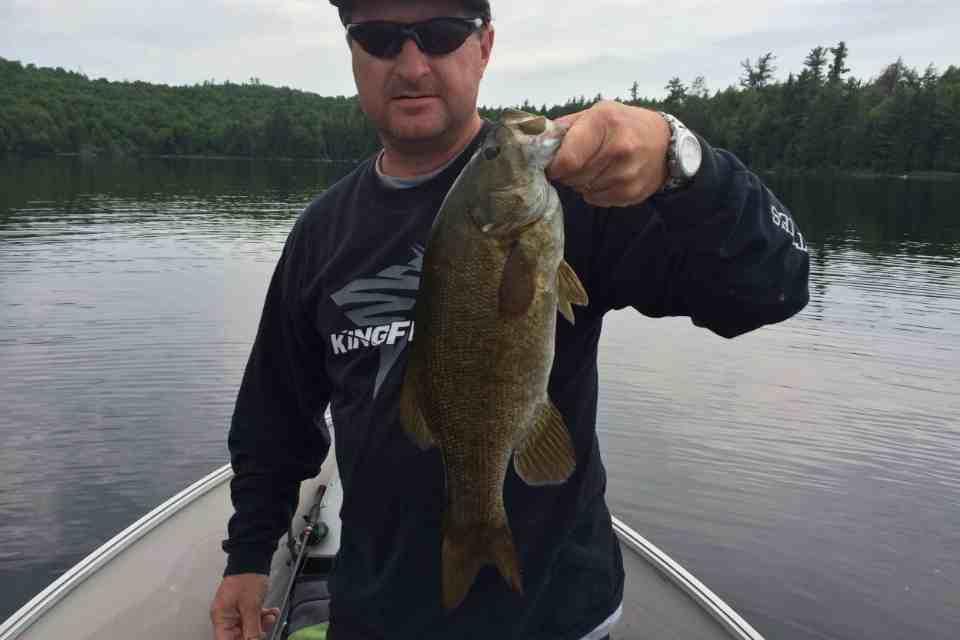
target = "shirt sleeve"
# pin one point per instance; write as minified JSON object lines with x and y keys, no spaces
{"x":723,"y":251}
{"x":278,"y":435}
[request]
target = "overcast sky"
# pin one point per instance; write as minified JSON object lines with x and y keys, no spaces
{"x":546,"y":51}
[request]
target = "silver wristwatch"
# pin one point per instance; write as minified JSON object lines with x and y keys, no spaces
{"x":683,"y":155}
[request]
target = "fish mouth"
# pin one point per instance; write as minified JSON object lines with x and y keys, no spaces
{"x":539,"y":138}
{"x":542,"y":148}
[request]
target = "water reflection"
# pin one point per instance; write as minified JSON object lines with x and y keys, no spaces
{"x":808,"y":472}
{"x":880,"y":215}
{"x":62,"y":180}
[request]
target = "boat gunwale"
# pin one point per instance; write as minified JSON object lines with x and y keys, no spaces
{"x":706,"y":599}
{"x":28,"y":614}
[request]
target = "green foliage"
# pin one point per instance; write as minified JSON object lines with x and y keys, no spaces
{"x":837,"y":68}
{"x":900,"y":121}
{"x":757,"y":77}
{"x":676,"y":93}
{"x":53,"y":110}
{"x":815,"y":62}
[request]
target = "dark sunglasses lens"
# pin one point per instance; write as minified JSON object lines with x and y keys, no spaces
{"x":379,"y":39}
{"x":440,"y":37}
{"x":436,"y":37}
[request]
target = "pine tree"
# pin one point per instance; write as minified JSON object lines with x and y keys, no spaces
{"x":816,"y":60}
{"x":839,"y":58}
{"x":758,"y":77}
{"x":676,"y":92}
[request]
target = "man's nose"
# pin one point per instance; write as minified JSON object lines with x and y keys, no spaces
{"x":412,"y":63}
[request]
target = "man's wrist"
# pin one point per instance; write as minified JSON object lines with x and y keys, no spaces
{"x":689,"y":207}
{"x":684,"y":155}
{"x":248,"y":561}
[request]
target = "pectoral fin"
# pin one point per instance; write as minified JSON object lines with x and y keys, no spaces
{"x":546,"y":454}
{"x":411,"y":416}
{"x":518,"y":283}
{"x":570,"y":290}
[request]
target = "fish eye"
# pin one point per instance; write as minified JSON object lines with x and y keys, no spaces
{"x":491,"y":153}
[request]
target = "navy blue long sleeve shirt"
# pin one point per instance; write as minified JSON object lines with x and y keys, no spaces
{"x":336,"y":322}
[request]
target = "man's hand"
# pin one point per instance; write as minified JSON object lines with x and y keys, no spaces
{"x":614,"y":154}
{"x":236,"y":611}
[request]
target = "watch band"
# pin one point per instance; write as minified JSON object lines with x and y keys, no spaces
{"x":676,"y":177}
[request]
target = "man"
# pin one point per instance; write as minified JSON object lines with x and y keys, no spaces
{"x":655,"y":219}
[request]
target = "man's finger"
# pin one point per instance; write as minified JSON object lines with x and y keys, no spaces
{"x":594,"y":176}
{"x":226,"y":626}
{"x":581,"y":143}
{"x":618,"y":196}
{"x":226,"y":632}
{"x":569,"y":119}
{"x":618,"y":174}
{"x":250,"y":616}
{"x":270,"y":617}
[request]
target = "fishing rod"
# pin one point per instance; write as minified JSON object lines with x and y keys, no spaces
{"x":312,"y":534}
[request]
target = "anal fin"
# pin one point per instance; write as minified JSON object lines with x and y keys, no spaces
{"x":546,"y":455}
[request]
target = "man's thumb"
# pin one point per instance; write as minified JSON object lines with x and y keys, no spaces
{"x":250,"y":618}
{"x":568,"y":119}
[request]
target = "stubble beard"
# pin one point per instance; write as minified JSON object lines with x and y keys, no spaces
{"x":419,"y":135}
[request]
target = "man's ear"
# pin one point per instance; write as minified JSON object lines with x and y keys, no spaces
{"x":487,"y":36}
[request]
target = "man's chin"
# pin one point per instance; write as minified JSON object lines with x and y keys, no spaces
{"x":417,"y":127}
{"x":415,"y":132}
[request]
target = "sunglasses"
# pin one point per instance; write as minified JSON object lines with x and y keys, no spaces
{"x":435,"y":37}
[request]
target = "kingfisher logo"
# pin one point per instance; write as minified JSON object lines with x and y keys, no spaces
{"x":371,"y":337}
{"x":380,"y":309}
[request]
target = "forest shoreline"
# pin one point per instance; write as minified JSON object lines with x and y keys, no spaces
{"x":777,"y":171}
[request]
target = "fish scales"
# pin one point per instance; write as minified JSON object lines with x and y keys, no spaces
{"x":476,"y":381}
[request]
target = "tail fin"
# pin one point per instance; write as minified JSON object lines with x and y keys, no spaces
{"x":466,"y":550}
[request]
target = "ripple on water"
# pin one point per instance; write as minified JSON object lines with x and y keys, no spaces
{"x":808,"y":472}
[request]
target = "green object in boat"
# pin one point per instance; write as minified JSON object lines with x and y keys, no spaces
{"x":316,"y":632}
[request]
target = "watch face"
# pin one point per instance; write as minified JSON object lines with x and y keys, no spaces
{"x":689,"y":155}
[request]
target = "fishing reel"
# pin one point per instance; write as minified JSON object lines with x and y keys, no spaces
{"x":313,"y":532}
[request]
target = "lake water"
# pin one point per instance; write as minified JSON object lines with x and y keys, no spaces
{"x":808,"y":472}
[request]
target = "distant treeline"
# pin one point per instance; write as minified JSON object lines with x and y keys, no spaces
{"x":901,"y":121}
{"x":45,"y":110}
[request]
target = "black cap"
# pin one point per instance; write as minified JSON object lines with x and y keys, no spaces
{"x":481,"y":8}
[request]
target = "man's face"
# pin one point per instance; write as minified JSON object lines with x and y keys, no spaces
{"x":416,"y":98}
